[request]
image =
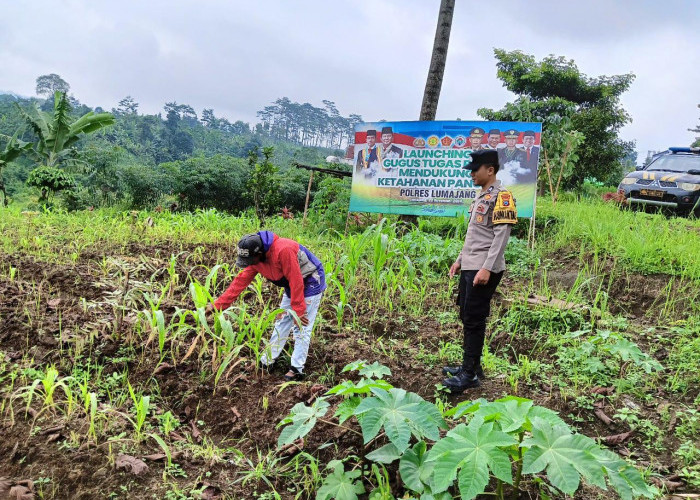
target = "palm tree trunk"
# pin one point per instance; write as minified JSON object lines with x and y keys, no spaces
{"x":437,"y":62}
{"x":433,"y":84}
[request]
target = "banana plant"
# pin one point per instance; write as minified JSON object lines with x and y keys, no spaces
{"x":13,"y":150}
{"x":58,"y":132}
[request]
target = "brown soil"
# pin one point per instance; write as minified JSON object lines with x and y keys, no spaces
{"x":50,"y":309}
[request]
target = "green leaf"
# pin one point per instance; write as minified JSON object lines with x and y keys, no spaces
{"x":364,"y":386}
{"x":354,"y":366}
{"x":564,"y":455}
{"x":347,"y":408}
{"x":436,"y":496}
{"x":472,"y":449}
{"x":379,"y":494}
{"x":624,"y":477}
{"x":372,"y":418}
{"x":400,"y":413}
{"x":375,"y":370}
{"x":414,"y":469}
{"x":345,"y":388}
{"x":227,"y":331}
{"x":340,"y":485}
{"x":629,"y":351}
{"x":510,"y":413}
{"x":626,"y":349}
{"x":301,"y":420}
{"x":385,"y":455}
{"x":417,"y":473}
{"x":433,"y":422}
{"x":464,"y":408}
{"x":57,"y":132}
{"x":472,"y":479}
{"x":547,"y":415}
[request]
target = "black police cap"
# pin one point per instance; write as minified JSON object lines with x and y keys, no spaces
{"x":483,"y":157}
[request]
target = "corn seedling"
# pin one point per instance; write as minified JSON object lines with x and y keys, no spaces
{"x":141,"y":407}
{"x":166,"y":450}
{"x":342,"y":303}
{"x":47,"y":385}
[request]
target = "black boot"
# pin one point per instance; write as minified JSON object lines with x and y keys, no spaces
{"x":464,"y":379}
{"x":454,"y":370}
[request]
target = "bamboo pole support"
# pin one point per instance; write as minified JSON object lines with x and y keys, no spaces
{"x":308,"y":193}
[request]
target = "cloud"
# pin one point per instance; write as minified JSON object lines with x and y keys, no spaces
{"x":370,"y":58}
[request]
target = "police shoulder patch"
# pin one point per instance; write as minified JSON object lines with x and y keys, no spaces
{"x":505,"y":212}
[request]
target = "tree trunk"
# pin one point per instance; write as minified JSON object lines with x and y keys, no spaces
{"x":431,"y":96}
{"x":433,"y":84}
{"x":4,"y":194}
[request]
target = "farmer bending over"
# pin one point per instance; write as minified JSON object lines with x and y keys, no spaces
{"x":293,"y":267}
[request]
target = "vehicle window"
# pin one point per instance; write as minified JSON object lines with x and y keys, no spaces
{"x":678,"y":163}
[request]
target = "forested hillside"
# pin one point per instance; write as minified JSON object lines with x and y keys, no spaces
{"x":177,"y":156}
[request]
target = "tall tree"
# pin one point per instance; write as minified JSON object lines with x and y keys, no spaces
{"x":178,"y":143}
{"x":184,"y":112}
{"x":48,"y":85}
{"x":555,"y":86}
{"x":128,"y":106}
{"x":57,"y":132}
{"x":264,"y":184}
{"x":208,"y":118}
{"x":433,"y":84}
{"x":307,"y":124}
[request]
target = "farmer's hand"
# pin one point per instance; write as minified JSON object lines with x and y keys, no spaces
{"x":304,"y":320}
{"x":280,"y":316}
{"x":210,"y":311}
{"x":454,"y":268}
{"x":482,"y":277}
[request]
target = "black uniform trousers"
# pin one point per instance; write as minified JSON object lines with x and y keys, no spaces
{"x":474,"y":307}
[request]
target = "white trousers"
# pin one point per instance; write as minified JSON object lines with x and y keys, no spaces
{"x":302,"y":336}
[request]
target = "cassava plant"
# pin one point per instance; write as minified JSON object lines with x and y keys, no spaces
{"x":486,"y":441}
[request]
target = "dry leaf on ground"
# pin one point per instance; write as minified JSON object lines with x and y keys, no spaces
{"x":131,"y":464}
{"x":617,"y":438}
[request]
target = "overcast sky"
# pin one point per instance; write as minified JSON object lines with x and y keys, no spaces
{"x":369,"y":57}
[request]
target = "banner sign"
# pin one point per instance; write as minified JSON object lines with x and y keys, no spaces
{"x":416,"y":168}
